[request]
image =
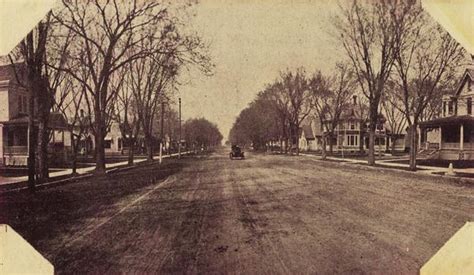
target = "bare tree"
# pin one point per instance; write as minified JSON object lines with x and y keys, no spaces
{"x":368,"y":35}
{"x":70,"y":103}
{"x":128,"y":117}
{"x":281,"y":105}
{"x":331,"y":98}
{"x":294,"y":86}
{"x":106,"y":31}
{"x":427,"y":59}
{"x":395,"y":118}
{"x":319,"y":100}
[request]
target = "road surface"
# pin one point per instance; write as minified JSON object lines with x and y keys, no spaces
{"x":266,"y":214}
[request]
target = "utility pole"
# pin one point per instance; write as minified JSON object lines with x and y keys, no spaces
{"x":179,"y":142}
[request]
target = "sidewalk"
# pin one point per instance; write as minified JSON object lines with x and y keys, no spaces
{"x":390,"y":163}
{"x":80,"y":171}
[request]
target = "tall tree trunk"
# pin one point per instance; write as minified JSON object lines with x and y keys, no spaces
{"x":43,"y":140}
{"x":296,"y":132}
{"x":131,"y":149}
{"x":330,"y":143}
{"x":413,"y":146}
{"x":371,"y":156}
{"x":323,"y":148}
{"x":149,"y":147}
{"x":394,"y":143}
{"x":99,"y":151}
{"x":75,"y":146}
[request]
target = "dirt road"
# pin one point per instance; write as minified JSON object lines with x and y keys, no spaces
{"x":263,"y":215}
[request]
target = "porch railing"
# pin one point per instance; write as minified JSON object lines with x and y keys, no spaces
{"x":456,"y":146}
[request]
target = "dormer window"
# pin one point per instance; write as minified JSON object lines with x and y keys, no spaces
{"x":444,"y":108}
{"x":450,"y":107}
{"x":469,"y":105}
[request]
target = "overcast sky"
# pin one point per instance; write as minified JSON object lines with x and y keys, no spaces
{"x":250,"y":43}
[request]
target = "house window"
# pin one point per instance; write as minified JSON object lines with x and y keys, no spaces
{"x":379,"y":141}
{"x":107,"y":144}
{"x":450,"y":107}
{"x":352,"y":126}
{"x":352,"y":140}
{"x":444,"y":108}
{"x":469,"y":106}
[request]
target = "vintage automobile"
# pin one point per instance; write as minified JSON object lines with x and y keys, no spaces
{"x":236,"y":152}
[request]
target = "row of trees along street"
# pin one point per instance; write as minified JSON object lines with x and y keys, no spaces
{"x":99,"y":62}
{"x":397,"y":60}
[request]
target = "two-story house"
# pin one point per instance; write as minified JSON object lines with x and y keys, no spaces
{"x":455,"y":129}
{"x":350,"y":134}
{"x":14,"y":120}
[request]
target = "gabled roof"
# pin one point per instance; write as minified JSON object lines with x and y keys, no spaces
{"x":468,"y":74}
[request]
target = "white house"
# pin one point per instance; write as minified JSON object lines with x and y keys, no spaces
{"x":455,"y":129}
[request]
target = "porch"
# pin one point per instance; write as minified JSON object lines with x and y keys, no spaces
{"x":14,"y":141}
{"x":455,"y":139}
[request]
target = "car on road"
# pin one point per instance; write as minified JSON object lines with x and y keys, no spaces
{"x":236,"y":152}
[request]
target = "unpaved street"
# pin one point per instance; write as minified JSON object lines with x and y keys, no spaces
{"x":266,"y":214}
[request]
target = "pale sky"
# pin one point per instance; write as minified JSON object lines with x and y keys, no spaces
{"x":251,"y":41}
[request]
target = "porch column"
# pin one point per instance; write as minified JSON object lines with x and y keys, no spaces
{"x":461,"y":137}
{"x":440,"y":136}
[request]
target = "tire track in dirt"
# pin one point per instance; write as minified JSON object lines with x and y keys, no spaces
{"x":289,"y":226}
{"x":191,"y":243}
{"x":249,"y":220}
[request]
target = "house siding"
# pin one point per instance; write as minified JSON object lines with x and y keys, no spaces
{"x":4,"y":110}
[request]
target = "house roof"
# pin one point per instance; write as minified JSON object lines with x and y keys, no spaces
{"x":7,"y":72}
{"x":56,"y":121}
{"x":469,"y":73}
{"x":466,"y":119}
